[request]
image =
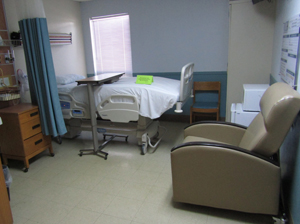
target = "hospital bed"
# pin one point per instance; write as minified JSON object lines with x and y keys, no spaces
{"x":124,"y":107}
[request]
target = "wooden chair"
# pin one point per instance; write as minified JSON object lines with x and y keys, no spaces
{"x":205,"y":105}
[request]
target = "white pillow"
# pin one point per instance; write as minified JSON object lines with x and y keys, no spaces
{"x":67,"y":79}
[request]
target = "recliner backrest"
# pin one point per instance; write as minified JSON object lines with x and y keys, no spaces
{"x":279,"y":106}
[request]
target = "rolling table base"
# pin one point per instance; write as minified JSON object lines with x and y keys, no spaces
{"x":99,"y":152}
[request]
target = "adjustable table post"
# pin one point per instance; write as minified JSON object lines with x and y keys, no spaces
{"x":96,"y":80}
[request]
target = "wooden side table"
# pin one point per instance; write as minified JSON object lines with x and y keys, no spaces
{"x":21,"y":134}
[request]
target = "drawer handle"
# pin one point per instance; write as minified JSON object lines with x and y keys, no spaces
{"x":39,"y":141}
{"x":35,"y":126}
{"x":33,"y":114}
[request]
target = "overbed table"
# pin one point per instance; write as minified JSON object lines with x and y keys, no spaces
{"x":101,"y":79}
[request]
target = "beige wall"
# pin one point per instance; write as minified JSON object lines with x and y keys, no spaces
{"x":250,"y":47}
{"x":63,"y":16}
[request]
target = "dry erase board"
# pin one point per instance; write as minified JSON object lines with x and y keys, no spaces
{"x":290,"y":51}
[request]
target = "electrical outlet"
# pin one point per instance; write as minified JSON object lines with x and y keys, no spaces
{"x":6,"y":58}
{"x":6,"y":81}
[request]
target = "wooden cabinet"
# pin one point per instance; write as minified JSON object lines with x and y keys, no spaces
{"x":5,"y":211}
{"x":21,"y":136}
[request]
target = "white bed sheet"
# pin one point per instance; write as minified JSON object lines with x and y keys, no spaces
{"x":153,"y":99}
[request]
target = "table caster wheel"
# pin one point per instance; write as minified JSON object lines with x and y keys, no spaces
{"x":52,"y":154}
{"x":80,"y":154}
{"x":25,"y":170}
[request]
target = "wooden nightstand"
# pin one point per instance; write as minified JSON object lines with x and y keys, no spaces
{"x":20,"y":134}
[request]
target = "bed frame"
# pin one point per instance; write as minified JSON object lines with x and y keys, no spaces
{"x":115,"y":117}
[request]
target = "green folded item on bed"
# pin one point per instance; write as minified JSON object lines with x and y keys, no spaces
{"x":144,"y":79}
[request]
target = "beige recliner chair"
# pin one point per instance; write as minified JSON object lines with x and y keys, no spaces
{"x":224,"y":165}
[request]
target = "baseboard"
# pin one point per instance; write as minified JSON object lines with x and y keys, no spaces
{"x":285,"y":218}
{"x":175,"y":117}
{"x":288,"y":219}
{"x":185,"y":118}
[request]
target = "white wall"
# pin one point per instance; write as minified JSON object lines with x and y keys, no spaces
{"x":250,"y":47}
{"x":286,"y":9}
{"x":167,"y":34}
{"x":63,"y":16}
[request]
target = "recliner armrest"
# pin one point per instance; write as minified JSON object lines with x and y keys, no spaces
{"x":223,"y":176}
{"x":226,"y":132}
{"x":231,"y":147}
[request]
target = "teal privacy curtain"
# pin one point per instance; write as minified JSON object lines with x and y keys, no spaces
{"x":41,"y":75}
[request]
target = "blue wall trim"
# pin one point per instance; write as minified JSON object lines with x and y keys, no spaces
{"x":272,"y":79}
{"x":90,"y":75}
{"x":290,"y":168}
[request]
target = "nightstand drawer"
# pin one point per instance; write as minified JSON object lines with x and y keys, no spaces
{"x":31,"y":128}
{"x":36,"y":142}
{"x":28,"y":116}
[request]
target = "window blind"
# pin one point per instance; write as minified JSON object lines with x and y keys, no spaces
{"x":111,"y":44}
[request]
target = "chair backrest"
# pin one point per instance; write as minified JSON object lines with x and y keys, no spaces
{"x":279,"y":106}
{"x":207,"y":87}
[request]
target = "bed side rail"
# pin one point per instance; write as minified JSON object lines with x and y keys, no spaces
{"x":186,"y":85}
{"x":119,"y":108}
{"x":72,"y":108}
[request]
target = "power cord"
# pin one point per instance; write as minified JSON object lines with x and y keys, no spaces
{"x":156,"y":144}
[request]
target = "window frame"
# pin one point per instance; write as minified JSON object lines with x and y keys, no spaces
{"x":120,"y":21}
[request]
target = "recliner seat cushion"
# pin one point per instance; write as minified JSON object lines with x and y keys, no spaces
{"x":199,"y":139}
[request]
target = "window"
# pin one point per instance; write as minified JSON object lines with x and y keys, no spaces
{"x":111,"y":44}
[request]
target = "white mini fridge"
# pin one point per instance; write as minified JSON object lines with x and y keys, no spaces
{"x":239,"y":116}
{"x":252,"y":95}
{"x":243,"y":113}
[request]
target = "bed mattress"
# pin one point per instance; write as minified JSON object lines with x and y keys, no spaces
{"x":153,"y":99}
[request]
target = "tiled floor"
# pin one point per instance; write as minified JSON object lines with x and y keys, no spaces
{"x":125,"y":188}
